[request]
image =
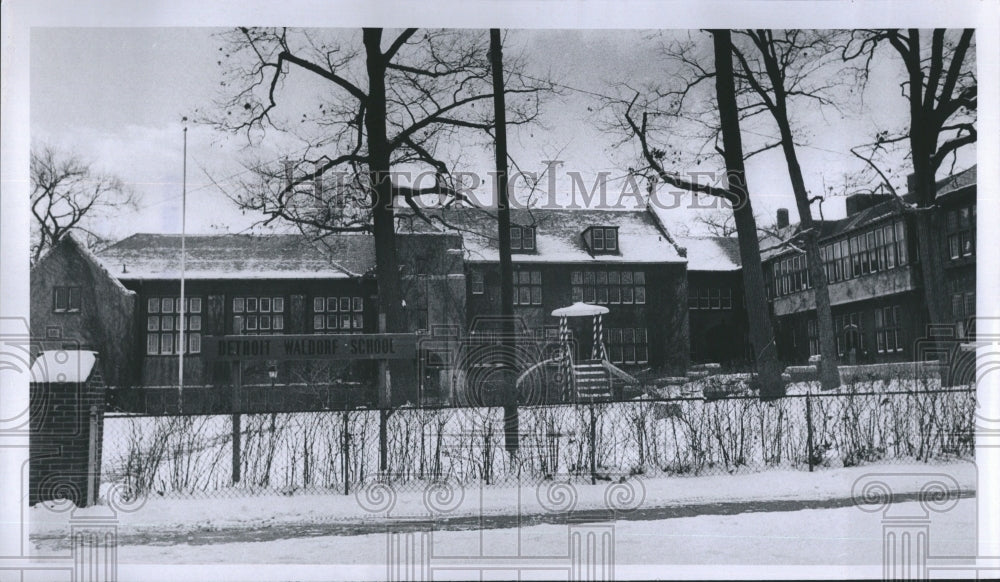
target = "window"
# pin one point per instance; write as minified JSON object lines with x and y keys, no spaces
{"x":528,"y":238}
{"x":714,"y":298}
{"x":522,"y":238}
{"x":850,"y":334}
{"x":887,"y":330}
{"x":163,"y":323}
{"x":791,"y":275}
{"x":476,"y":282}
{"x":901,"y":243}
{"x":258,"y":315}
{"x":611,"y":239}
{"x":627,"y":345}
{"x":603,"y":239}
{"x":576,"y":282}
{"x":873,"y":251}
{"x":963,"y":308}
{"x":527,"y":287}
{"x":812,"y":331}
{"x":343,"y":314}
{"x":865,"y":255}
{"x":961,"y":227}
{"x":609,"y":287}
{"x":66,"y":299}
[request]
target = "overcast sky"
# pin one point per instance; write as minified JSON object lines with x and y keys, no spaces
{"x":117,"y":96}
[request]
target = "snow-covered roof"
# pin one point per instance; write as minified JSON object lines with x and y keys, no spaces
{"x":63,"y":366}
{"x":712,"y":253}
{"x":70,"y":238}
{"x":770,"y":244}
{"x":558,"y":234}
{"x":956,"y":182}
{"x":234,"y":256}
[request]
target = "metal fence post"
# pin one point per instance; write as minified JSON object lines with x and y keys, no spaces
{"x":347,"y":449}
{"x":236,"y":448}
{"x":93,"y":466}
{"x":809,"y":432}
{"x":593,"y":446}
{"x":383,"y":440}
{"x":237,"y":438}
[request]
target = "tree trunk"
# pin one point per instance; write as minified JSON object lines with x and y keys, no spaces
{"x":928,"y":242}
{"x":761,"y":334}
{"x":924,"y":133}
{"x":386,"y":269}
{"x":829,"y":375}
{"x":508,"y":341}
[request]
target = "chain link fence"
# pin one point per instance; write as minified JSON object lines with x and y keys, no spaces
{"x":339,"y":451}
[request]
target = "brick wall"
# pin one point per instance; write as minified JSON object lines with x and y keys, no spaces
{"x":105,"y":321}
{"x":60,"y":440}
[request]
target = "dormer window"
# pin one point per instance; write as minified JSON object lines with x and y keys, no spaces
{"x":602,"y":239}
{"x":522,"y":238}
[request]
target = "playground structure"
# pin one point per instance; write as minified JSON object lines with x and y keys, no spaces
{"x":586,"y":380}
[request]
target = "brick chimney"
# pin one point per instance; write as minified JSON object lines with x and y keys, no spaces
{"x":782,"y":218}
{"x":858,"y":202}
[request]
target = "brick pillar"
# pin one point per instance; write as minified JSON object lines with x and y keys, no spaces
{"x":67,"y":421}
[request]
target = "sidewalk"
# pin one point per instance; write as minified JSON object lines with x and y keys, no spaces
{"x":282,"y":531}
{"x":270,"y":517}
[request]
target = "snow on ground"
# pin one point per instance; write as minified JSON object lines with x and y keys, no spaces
{"x":847,"y":540}
{"x":178,"y":515}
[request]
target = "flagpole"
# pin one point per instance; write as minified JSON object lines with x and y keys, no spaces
{"x":181,"y":347}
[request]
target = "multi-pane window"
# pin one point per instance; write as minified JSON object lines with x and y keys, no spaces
{"x":66,"y":299}
{"x":343,"y":314}
{"x":627,"y":345}
{"x":877,"y":249}
{"x":812,"y":331}
{"x":791,"y":275}
{"x":477,"y":284}
{"x":163,"y":319}
{"x":610,"y":287}
{"x":962,"y":232}
{"x":887,"y":329}
{"x":603,"y":239}
{"x":850,"y":335}
{"x":963,"y":308}
{"x":258,"y":315}
{"x":710,"y":298}
{"x":522,"y":238}
{"x":527,"y":287}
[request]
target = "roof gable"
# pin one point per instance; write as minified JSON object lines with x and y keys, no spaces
{"x":70,"y":242}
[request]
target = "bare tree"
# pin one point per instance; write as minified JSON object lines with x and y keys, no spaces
{"x":718,"y":223}
{"x":349,"y":109}
{"x":941,"y":90}
{"x":66,"y":195}
{"x":777,"y":67}
{"x":753,"y":275}
{"x":645,"y":116}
